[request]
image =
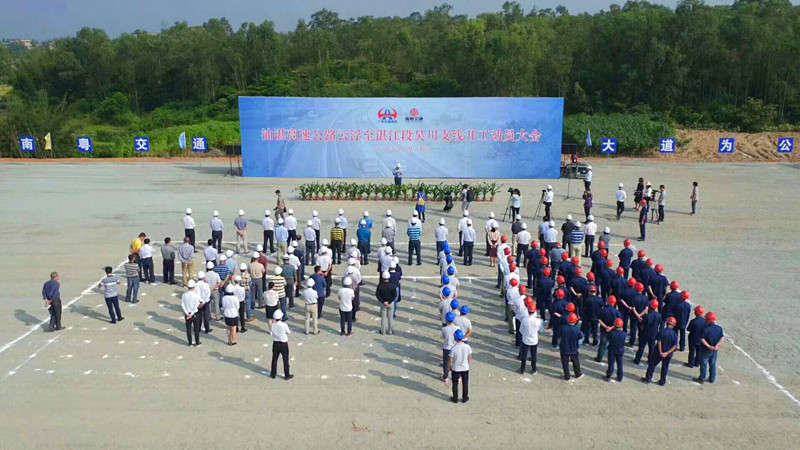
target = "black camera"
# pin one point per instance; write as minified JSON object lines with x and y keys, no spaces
{"x":511,"y":190}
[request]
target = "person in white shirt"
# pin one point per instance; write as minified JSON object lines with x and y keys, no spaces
{"x":216,"y":231}
{"x":468,"y":242}
{"x":189,"y":226}
{"x":448,"y":341}
{"x":310,"y":235}
{"x":241,"y":225}
{"x":621,"y":196}
{"x":385,"y":261}
{"x":529,"y":329}
{"x":269,"y":231}
{"x":441,"y":236}
{"x":358,"y":280}
{"x":291,"y":225}
{"x":241,"y":295}
{"x":389,"y":221}
{"x":523,"y":242}
{"x":662,"y":203}
{"x":230,"y":311}
{"x":589,"y":232}
{"x":189,"y":303}
{"x":547,"y":199}
{"x":460,"y":360}
{"x":310,"y":297}
{"x":346,"y":295}
{"x":462,"y":225}
{"x":279,"y":332}
{"x":587,"y":182}
{"x":695,"y":197}
{"x":146,"y":255}
{"x":491,"y":223}
{"x":463,"y":323}
{"x":204,"y":292}
{"x":316,"y":224}
{"x":210,"y":253}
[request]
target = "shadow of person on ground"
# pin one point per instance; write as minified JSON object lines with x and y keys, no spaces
{"x":409,"y":384}
{"x":256,"y":369}
{"x":26,"y":318}
{"x":89,"y":312}
{"x":159,"y":334}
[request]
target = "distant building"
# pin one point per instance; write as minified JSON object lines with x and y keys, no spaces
{"x":27,"y":43}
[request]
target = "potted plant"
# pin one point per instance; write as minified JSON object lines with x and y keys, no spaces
{"x":493,"y":189}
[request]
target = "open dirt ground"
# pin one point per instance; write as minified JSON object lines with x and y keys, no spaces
{"x":137,"y":385}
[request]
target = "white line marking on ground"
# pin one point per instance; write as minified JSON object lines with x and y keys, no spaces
{"x":766,"y":373}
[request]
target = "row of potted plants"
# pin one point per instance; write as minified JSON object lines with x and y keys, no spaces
{"x":388,"y":191}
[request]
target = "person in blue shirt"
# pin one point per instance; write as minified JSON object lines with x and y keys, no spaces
{"x":544,"y":295}
{"x":607,"y":279}
{"x":619,"y":284}
{"x":565,"y":266}
{"x":651,"y":325}
{"x":571,"y":337}
{"x":667,"y":343}
{"x":695,"y":327}
{"x":682,"y":313}
{"x":558,"y":312}
{"x":533,"y":266}
{"x":671,"y":300}
{"x":592,"y":306}
{"x":625,"y":301}
{"x":368,"y":220}
{"x":607,"y":319}
{"x":616,"y":348}
{"x":364,"y":237}
{"x":625,"y":256}
{"x":577,"y":284}
{"x":648,"y":274}
{"x":321,"y":286}
{"x":638,"y":306}
{"x":598,"y":258}
{"x":710,"y":340}
{"x":638,"y":265}
{"x":657,"y":284}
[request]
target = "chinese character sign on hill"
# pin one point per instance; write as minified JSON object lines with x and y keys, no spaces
{"x":141,"y":144}
{"x":27,"y":144}
{"x":199,"y":144}
{"x":85,"y":144}
{"x":608,"y":146}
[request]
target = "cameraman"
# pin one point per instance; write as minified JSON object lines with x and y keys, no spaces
{"x":547,"y":198}
{"x":516,"y":201}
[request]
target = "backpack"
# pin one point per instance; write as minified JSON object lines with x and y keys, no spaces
{"x":470,"y":195}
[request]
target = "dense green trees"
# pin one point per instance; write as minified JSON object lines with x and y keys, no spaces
{"x":732,"y":66}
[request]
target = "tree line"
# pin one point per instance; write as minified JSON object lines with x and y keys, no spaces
{"x":735,"y":66}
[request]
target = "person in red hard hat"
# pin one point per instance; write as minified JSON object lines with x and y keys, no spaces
{"x":682,"y":313}
{"x":695,"y":330}
{"x":529,"y":330}
{"x":571,"y":337}
{"x":671,"y":300}
{"x":638,"y":266}
{"x":667,"y":343}
{"x":625,"y":257}
{"x":651,"y":324}
{"x":559,"y":315}
{"x":616,"y":348}
{"x":710,"y":340}
{"x":607,"y":319}
{"x":591,"y":313}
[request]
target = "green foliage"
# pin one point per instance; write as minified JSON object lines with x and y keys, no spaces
{"x":389,"y":191}
{"x":636,"y":132}
{"x":115,"y":109}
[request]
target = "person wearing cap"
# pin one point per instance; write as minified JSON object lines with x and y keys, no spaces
{"x":647,"y":274}
{"x":389,"y":231}
{"x":639,"y":265}
{"x":468,"y":242}
{"x":460,"y":360}
{"x":216,"y":231}
{"x":389,"y":221}
{"x":625,"y":256}
{"x":189,"y":304}
{"x":621,"y":196}
{"x":607,"y":319}
{"x":544,"y":293}
{"x":448,"y":341}
{"x":491,"y":224}
{"x":587,"y":181}
{"x":256,"y":271}
{"x":310,"y":236}
{"x":607,"y":279}
{"x":397,"y":173}
{"x":269,"y":231}
{"x":343,"y":225}
{"x":240,"y":292}
{"x":558,"y":312}
{"x":109,"y":284}
{"x":322,"y":288}
{"x":616,"y":349}
{"x":661,"y":353}
{"x":446,"y":295}
{"x":576,"y":237}
{"x":337,"y":240}
{"x":695,"y":328}
{"x":240,"y":225}
{"x":711,"y":338}
{"x":310,"y":297}
{"x":589,"y":231}
{"x":547,"y":199}
{"x":502,"y":262}
{"x":355,"y":274}
{"x":523,"y":242}
{"x":648,"y":193}
{"x":231,"y":262}
{"x":671,"y":301}
{"x":643,"y":220}
{"x":247,"y":283}
{"x":188,"y":226}
{"x":414,"y":235}
{"x":591,"y":314}
{"x":279,"y":283}
{"x":291,"y":224}
{"x":529,"y":331}
{"x":230,"y":311}
{"x":571,"y":337}
{"x":512,"y":294}
{"x":168,"y":260}
{"x":385,"y":259}
{"x":462,"y":225}
{"x":588,"y":203}
{"x":214,"y":282}
{"x":566,"y":230}
{"x":364,"y":237}
{"x":651,"y":325}
{"x":386,"y":294}
{"x":534,"y":264}
{"x":289,"y":273}
{"x":520,"y":307}
{"x":279,"y":332}
{"x":346,"y":295}
{"x":282,"y":239}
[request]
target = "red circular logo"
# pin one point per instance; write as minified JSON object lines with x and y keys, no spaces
{"x":414,"y":112}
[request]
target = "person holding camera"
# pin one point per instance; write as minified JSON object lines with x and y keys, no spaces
{"x":547,"y":199}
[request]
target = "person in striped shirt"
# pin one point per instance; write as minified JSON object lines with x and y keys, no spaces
{"x":279,"y":285}
{"x":337,"y":240}
{"x":414,"y":235}
{"x":132,"y":274}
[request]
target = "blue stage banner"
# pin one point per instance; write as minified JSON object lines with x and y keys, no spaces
{"x":303,"y":137}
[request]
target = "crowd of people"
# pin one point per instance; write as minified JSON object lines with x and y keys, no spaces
{"x":633,"y":305}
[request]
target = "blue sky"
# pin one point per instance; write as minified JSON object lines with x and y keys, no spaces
{"x":44,"y":19}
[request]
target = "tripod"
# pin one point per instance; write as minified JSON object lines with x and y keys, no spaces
{"x":508,"y":206}
{"x":538,"y":207}
{"x":234,"y":171}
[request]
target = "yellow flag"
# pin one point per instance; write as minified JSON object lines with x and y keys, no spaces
{"x":47,"y":144}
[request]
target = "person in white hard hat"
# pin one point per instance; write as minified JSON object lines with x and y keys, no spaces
{"x":230,"y":311}
{"x":576,"y":237}
{"x":462,"y":225}
{"x":516,"y":227}
{"x":310,"y":235}
{"x":566,"y":229}
{"x":337,"y":240}
{"x":216,"y":231}
{"x":590,"y":231}
{"x":240,"y":292}
{"x":397,"y":172}
{"x":414,"y":241}
{"x":189,"y":225}
{"x":280,"y":205}
{"x":441,"y":236}
{"x":269,"y":231}
{"x":364,"y":237}
{"x":587,"y":182}
{"x":316,"y":224}
{"x":233,"y":265}
{"x":240,"y":224}
{"x":621,"y":196}
{"x":214,"y":283}
{"x":343,"y":226}
{"x":346,"y":295}
{"x":291,"y":224}
{"x":279,"y":332}
{"x":490,"y":223}
{"x":547,"y":199}
{"x":468,"y":241}
{"x":389,"y":221}
{"x":189,"y":303}
{"x":389,"y":232}
{"x":523,"y":243}
{"x":203,"y":290}
{"x":310,"y":297}
{"x":386,"y":294}
{"x":606,"y":238}
{"x":282,"y":239}
{"x":367,"y":219}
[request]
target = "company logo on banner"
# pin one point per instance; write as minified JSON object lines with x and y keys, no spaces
{"x":27,"y":144}
{"x":85,"y":144}
{"x":459,"y":137}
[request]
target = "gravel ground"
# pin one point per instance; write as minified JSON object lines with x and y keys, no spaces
{"x":137,"y":384}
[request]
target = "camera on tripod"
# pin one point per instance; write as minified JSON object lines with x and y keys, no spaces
{"x":511,"y":190}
